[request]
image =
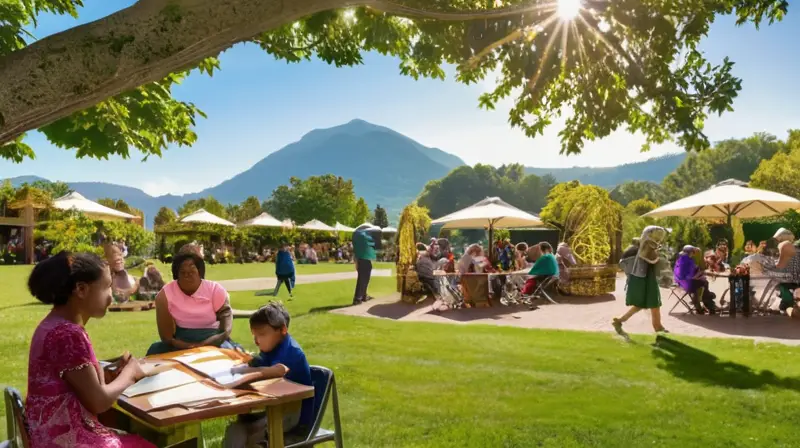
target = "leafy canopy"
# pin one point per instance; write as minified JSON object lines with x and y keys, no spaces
{"x":623,"y":64}
{"x":467,"y":185}
{"x":328,"y":198}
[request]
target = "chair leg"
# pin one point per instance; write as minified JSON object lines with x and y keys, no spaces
{"x":337,"y":423}
{"x":547,"y":296}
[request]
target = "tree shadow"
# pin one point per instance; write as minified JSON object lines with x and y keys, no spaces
{"x":22,"y":305}
{"x":697,"y":366}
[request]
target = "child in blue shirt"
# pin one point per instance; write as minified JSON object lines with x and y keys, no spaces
{"x":279,"y":356}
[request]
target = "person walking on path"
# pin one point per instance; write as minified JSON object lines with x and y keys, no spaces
{"x":284,"y":270}
{"x":364,"y":246}
{"x":643,"y":291}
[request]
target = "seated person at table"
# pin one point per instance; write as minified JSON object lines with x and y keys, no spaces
{"x":123,"y":285}
{"x":191,"y":311}
{"x":425,"y":267}
{"x":788,"y":267}
{"x":520,"y":254}
{"x":67,"y":388}
{"x":151,"y":283}
{"x":691,"y":278}
{"x":546,"y":266}
{"x":468,"y":261}
{"x":713,"y":262}
{"x":280,"y":356}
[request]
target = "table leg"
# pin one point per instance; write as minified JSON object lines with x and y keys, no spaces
{"x":275,"y":425}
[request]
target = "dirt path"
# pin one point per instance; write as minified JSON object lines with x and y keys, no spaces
{"x":259,"y":284}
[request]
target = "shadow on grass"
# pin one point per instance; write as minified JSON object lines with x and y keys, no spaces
{"x":321,"y":309}
{"x":778,"y":327}
{"x":22,"y":305}
{"x":694,"y":365}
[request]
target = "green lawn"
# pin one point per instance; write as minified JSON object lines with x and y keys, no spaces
{"x":433,"y":385}
{"x":257,"y":270}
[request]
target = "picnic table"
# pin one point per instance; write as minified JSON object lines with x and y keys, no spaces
{"x":179,"y":425}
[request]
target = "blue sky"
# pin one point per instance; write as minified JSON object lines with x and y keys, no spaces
{"x":256,"y":105}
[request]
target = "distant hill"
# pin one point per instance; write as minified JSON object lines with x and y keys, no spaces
{"x":386,"y":167}
{"x":653,"y":170}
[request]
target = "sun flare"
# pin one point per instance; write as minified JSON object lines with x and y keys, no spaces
{"x":569,"y":9}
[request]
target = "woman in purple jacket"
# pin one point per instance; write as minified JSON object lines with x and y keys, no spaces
{"x":691,"y":278}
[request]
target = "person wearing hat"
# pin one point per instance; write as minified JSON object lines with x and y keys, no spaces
{"x":689,"y":276}
{"x":788,"y":266}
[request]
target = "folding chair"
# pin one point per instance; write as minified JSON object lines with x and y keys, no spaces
{"x":680,"y":294}
{"x":17,"y":424}
{"x":543,"y":286}
{"x":324,"y":388}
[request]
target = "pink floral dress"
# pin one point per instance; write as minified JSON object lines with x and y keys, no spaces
{"x":56,"y":417}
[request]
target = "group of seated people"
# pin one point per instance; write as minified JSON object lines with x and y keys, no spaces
{"x":782,"y":264}
{"x":124,"y":287}
{"x":68,"y":389}
{"x":539,"y":260}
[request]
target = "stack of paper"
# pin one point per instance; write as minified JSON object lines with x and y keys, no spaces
{"x":161,"y":381}
{"x":189,"y":393}
{"x":220,"y":370}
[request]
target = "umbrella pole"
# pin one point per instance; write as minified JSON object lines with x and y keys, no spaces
{"x":492,"y":253}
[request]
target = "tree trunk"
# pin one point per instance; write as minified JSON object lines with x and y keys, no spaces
{"x":80,"y":67}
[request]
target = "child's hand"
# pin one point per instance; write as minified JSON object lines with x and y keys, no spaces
{"x":281,"y":369}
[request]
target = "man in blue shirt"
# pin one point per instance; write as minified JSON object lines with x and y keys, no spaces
{"x":279,"y":356}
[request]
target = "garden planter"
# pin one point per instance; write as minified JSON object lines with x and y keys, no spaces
{"x":590,"y":281}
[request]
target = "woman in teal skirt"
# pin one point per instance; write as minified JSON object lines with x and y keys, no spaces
{"x":643,"y":291}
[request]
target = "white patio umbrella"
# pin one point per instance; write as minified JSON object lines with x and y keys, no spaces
{"x":288,"y":223}
{"x":389,"y":230}
{"x":76,"y":201}
{"x":262,"y":220}
{"x":343,"y":228}
{"x":317,"y":225}
{"x":204,"y":217}
{"x":491,"y":213}
{"x":727,"y":199}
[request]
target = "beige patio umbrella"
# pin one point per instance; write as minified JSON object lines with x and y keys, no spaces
{"x":343,"y":228}
{"x":727,"y":199}
{"x":76,"y":201}
{"x":262,"y":220}
{"x":318,"y":226}
{"x":491,"y":213}
{"x":203,"y":217}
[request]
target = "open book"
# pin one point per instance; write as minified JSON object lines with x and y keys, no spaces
{"x":222,"y":371}
{"x":158,"y":382}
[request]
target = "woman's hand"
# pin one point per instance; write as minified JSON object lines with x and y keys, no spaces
{"x":134,"y":369}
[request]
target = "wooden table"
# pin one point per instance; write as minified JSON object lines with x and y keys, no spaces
{"x":179,"y":425}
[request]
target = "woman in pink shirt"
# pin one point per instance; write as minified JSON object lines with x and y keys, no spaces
{"x":191,"y":311}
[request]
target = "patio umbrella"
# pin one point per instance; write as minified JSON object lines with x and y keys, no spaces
{"x":490,"y":213}
{"x":343,"y":228}
{"x":204,"y":217}
{"x":727,"y":199}
{"x":389,"y":230}
{"x":317,"y":225}
{"x":288,"y":223}
{"x":76,"y":201}
{"x":262,"y":220}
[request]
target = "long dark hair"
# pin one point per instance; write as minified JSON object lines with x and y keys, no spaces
{"x":53,"y":281}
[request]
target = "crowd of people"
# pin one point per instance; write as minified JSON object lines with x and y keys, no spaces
{"x":537,"y":262}
{"x":778,"y":262}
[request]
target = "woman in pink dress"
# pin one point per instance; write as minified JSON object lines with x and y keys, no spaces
{"x":66,"y":385}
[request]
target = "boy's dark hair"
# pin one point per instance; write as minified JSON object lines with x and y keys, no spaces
{"x":178,"y":260}
{"x":546,"y":247}
{"x":272,"y":314}
{"x":52,"y":281}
